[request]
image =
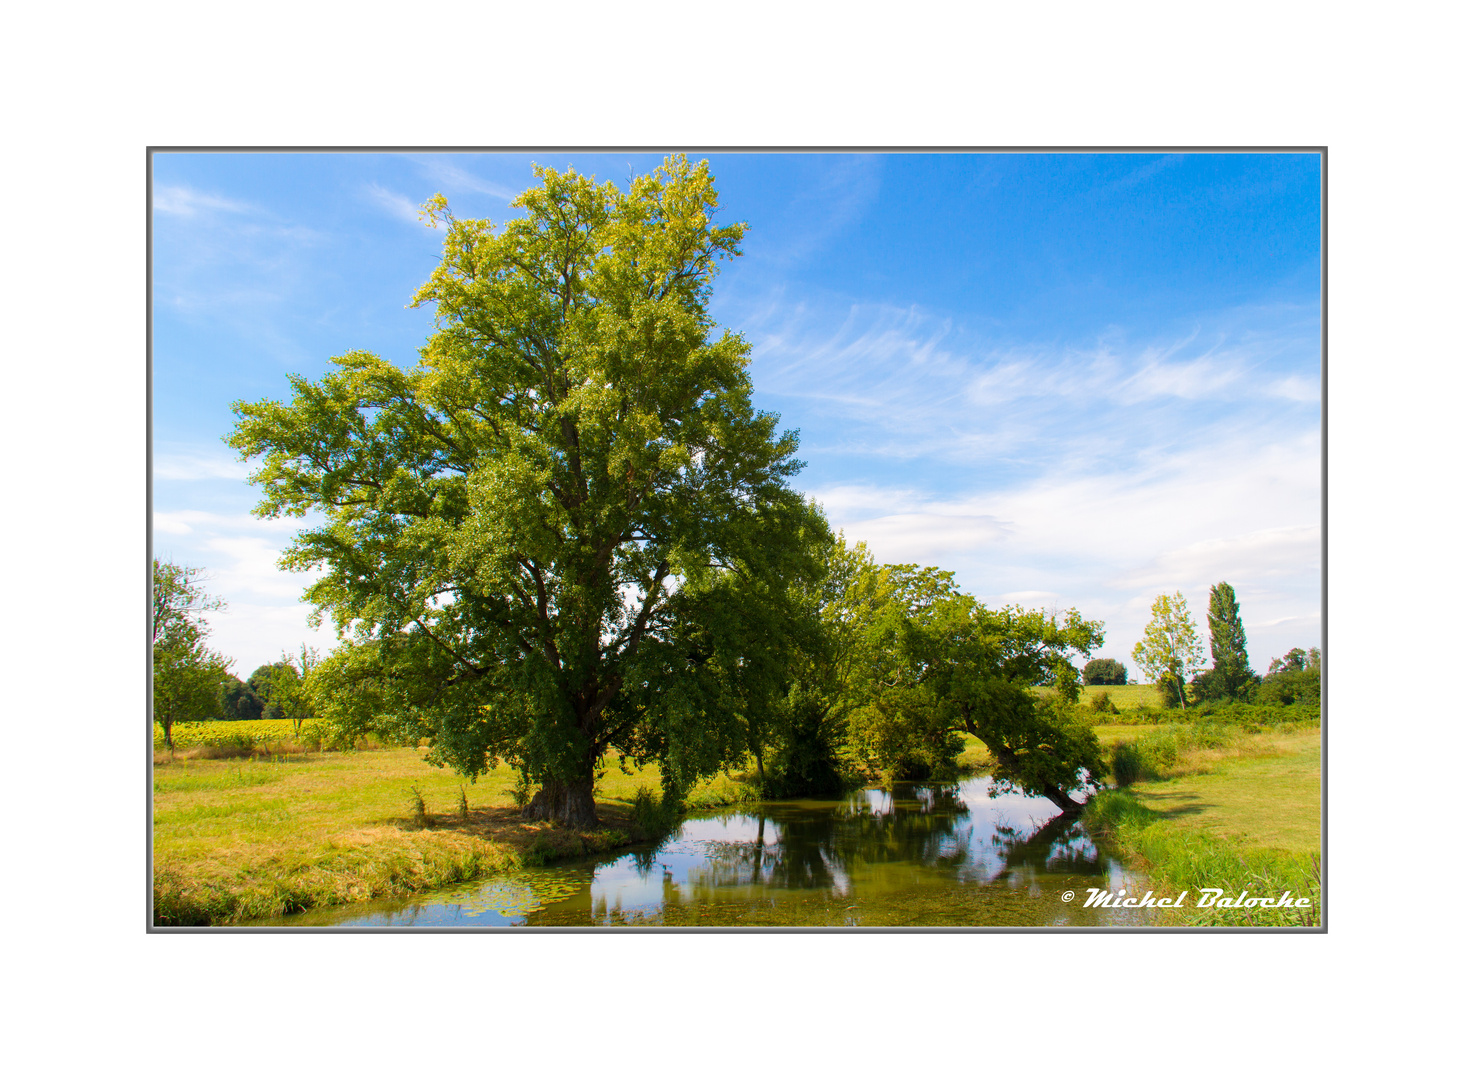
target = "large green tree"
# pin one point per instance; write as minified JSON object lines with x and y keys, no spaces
{"x":925,"y":663}
{"x":511,"y":523}
{"x":1169,"y":651}
{"x":187,"y":675}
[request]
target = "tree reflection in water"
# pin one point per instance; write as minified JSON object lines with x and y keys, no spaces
{"x":880,"y":833}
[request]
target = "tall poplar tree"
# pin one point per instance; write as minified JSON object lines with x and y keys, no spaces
{"x":1231,"y":671}
{"x":511,"y":523}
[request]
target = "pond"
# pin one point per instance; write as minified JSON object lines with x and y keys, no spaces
{"x":913,"y":855}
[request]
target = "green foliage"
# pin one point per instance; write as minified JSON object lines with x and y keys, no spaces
{"x":655,"y":816}
{"x":1105,"y":672}
{"x":934,"y":664}
{"x":238,"y":701}
{"x":1230,"y":676}
{"x":1169,"y":652}
{"x":417,"y":814}
{"x":1291,"y":679}
{"x":1067,"y":682}
{"x":261,"y":684}
{"x":1128,"y":763}
{"x":1100,"y":702}
{"x":289,"y":693}
{"x":512,"y":523}
{"x":187,"y":676}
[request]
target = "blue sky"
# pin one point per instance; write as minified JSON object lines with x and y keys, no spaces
{"x":1075,"y":380}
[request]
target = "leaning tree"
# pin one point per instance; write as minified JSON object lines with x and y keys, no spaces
{"x":510,"y":524}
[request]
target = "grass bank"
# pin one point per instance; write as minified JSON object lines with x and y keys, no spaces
{"x":1233,"y":809}
{"x":256,"y":837}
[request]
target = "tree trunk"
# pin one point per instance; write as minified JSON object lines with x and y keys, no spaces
{"x":568,"y":804}
{"x":1060,"y":799}
{"x":1049,"y":791}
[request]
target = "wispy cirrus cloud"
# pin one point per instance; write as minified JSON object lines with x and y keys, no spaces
{"x":1107,"y":536}
{"x":400,"y":206}
{"x":181,"y":201}
{"x":183,"y":463}
{"x":450,"y":176}
{"x":910,"y":384}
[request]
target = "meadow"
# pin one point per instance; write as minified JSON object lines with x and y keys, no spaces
{"x":249,"y":834}
{"x":254,"y":821}
{"x":1217,"y":806}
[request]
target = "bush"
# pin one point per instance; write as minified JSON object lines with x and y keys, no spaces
{"x":1127,"y":764}
{"x":656,"y":817}
{"x":1105,"y":672}
{"x":1100,"y":702}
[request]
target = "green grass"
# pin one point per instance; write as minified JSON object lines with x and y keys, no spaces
{"x":1242,"y":815}
{"x":1264,"y":793}
{"x":238,"y":840}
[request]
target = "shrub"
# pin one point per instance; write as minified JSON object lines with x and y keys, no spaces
{"x":1105,"y":672}
{"x":655,"y":816}
{"x":1100,"y":702}
{"x":1127,"y":764}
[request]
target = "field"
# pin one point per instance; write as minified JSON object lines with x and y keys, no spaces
{"x":1242,"y":815}
{"x":256,"y":837}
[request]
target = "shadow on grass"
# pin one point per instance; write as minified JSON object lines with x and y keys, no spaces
{"x":1191,"y":805}
{"x":534,"y":843}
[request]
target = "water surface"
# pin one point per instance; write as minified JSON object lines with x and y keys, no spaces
{"x":915,"y":855}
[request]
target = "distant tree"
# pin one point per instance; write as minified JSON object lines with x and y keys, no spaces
{"x":289,"y":693}
{"x":1231,"y":675}
{"x":238,"y":701}
{"x":1292,"y":678}
{"x":262,"y":683}
{"x":1105,"y":672}
{"x":186,"y":675}
{"x":1169,"y":651}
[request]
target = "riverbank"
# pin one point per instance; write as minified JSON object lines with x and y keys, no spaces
{"x":244,"y":839}
{"x":250,"y":838}
{"x":1240,"y":816}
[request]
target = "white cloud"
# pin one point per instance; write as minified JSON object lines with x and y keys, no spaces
{"x":398,"y":205}
{"x":1236,"y":507}
{"x":239,"y":554}
{"x":186,"y":202}
{"x":1295,"y":389}
{"x":1260,"y":556}
{"x":452,"y":177}
{"x":255,"y":634}
{"x":1193,"y":380}
{"x":197,"y":465}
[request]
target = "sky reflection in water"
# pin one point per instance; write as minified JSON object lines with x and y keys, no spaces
{"x":920,"y":855}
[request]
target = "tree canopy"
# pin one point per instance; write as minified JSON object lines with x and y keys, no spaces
{"x":1231,"y":676}
{"x":918,"y":663}
{"x":1294,"y":677}
{"x":1104,"y":672}
{"x":518,"y":526}
{"x":187,"y":676}
{"x":1169,"y":651}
